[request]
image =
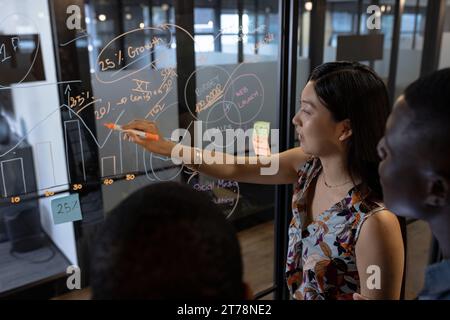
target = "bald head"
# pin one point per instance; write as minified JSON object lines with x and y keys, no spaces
{"x":415,"y":166}
{"x":428,"y":99}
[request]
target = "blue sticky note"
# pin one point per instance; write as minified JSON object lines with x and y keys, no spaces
{"x":66,"y":209}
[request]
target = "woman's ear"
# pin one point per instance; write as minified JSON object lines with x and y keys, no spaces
{"x":437,"y":192}
{"x":346,"y":130}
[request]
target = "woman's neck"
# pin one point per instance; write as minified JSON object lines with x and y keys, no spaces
{"x":334,"y":169}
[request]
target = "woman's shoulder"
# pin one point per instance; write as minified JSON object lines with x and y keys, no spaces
{"x":375,"y":217}
{"x":365,"y":205}
{"x":381,"y":230}
{"x":383,"y":217}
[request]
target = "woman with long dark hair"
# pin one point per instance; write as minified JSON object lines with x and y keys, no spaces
{"x":342,"y":239}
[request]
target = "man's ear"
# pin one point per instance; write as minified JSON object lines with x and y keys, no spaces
{"x":346,"y":130}
{"x":437,"y":192}
{"x":248,"y":292}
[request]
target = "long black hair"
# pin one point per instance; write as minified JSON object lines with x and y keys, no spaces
{"x":350,"y":90}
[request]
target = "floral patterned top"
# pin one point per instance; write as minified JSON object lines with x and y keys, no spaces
{"x":321,"y":262}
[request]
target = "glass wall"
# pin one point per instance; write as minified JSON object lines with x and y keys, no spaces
{"x":175,"y":63}
{"x":445,"y":45}
{"x":411,"y":43}
{"x":303,"y":61}
{"x":346,"y":18}
{"x":32,"y":155}
{"x":350,"y":18}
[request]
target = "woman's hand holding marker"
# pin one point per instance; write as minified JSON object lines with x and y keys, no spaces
{"x":146,"y":134}
{"x":141,"y":134}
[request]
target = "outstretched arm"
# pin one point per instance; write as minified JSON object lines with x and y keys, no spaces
{"x":230,"y":167}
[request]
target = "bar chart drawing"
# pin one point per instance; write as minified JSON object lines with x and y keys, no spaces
{"x":12,"y":182}
{"x":45,"y":164}
{"x":81,"y":146}
{"x":137,"y":159}
{"x":103,"y":165}
{"x":120,"y":152}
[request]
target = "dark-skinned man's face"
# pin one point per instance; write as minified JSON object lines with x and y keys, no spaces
{"x":402,"y":169}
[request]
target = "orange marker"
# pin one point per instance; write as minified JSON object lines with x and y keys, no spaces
{"x":145,"y":135}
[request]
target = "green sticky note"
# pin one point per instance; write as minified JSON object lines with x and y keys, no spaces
{"x":66,"y":209}
{"x":261,"y":128}
{"x":260,"y":138}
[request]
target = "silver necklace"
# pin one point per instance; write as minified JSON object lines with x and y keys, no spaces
{"x":334,"y":186}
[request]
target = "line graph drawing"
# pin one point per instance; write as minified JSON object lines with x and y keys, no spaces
{"x":78,"y":121}
{"x":88,"y":104}
{"x":64,"y":106}
{"x":39,"y":85}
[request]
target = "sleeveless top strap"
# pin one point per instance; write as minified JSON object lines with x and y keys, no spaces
{"x":379,"y":207}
